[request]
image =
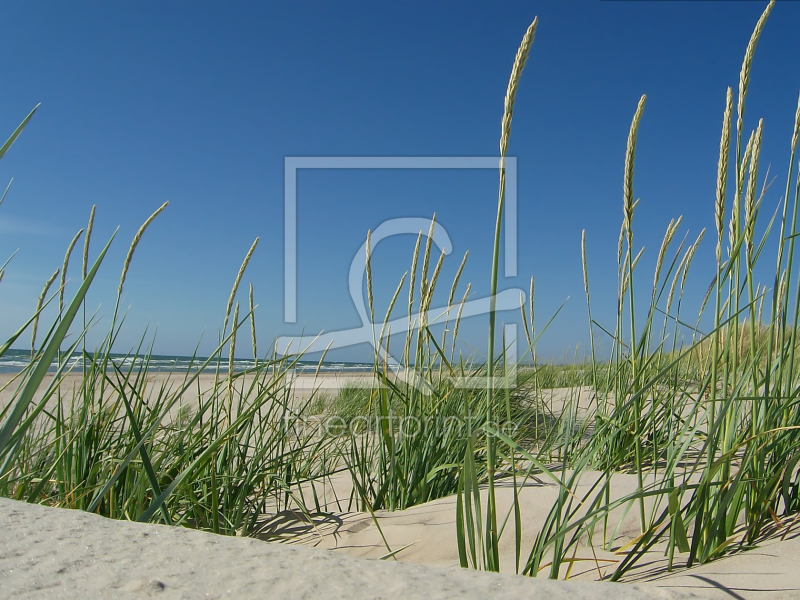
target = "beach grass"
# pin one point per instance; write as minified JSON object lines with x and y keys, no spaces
{"x":708,"y":424}
{"x":701,"y":404}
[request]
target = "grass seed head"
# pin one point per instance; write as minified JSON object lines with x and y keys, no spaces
{"x":136,"y":239}
{"x":630,"y":155}
{"x":662,"y":251}
{"x":253,"y":325}
{"x":413,"y":276}
{"x":722,"y":172}
{"x":369,"y":278}
{"x":513,"y":84}
{"x":460,"y":310}
{"x":796,"y":129}
{"x":86,"y":241}
{"x":744,"y":74}
{"x":64,"y":269}
{"x":583,"y":262}
{"x":39,"y":304}
{"x":456,"y":279}
{"x":423,"y":280}
{"x":750,"y":197}
{"x":237,"y":281}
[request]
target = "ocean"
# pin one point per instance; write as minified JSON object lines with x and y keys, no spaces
{"x":14,"y":361}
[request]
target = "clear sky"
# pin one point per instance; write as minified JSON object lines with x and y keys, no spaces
{"x":199,"y":102}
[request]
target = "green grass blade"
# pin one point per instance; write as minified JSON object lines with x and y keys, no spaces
{"x":4,"y":148}
{"x":49,"y":354}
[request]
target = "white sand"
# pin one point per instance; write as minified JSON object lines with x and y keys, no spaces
{"x":55,"y":553}
{"x":303,"y":386}
{"x":768,"y":572}
{"x":47,"y":551}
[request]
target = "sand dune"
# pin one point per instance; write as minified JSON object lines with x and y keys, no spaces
{"x":426,"y":535}
{"x":68,"y":554}
{"x":55,"y":553}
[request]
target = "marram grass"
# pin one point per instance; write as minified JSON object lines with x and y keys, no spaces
{"x":704,"y":409}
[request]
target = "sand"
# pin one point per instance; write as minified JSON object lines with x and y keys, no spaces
{"x":56,"y":553}
{"x":429,"y":531}
{"x":303,"y":386}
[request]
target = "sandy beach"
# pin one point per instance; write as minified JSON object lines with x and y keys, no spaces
{"x":512,"y":406}
{"x":301,"y":386}
{"x":426,"y":535}
{"x":423,"y":535}
{"x":53,"y":553}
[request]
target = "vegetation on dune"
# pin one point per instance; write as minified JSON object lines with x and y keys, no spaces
{"x":712,"y":426}
{"x":701,"y":404}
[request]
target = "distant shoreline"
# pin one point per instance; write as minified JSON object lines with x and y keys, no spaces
{"x":16,"y":360}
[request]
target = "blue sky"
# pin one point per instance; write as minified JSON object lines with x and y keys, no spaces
{"x":198,"y":103}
